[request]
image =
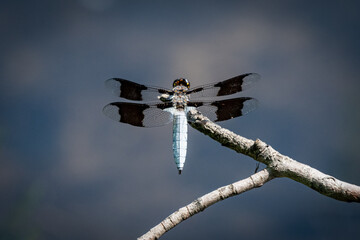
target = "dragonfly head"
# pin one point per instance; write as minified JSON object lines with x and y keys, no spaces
{"x":181,"y":82}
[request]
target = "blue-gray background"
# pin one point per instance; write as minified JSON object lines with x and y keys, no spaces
{"x":68,"y":172}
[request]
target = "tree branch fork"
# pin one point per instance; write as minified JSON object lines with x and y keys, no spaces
{"x":278,"y":165}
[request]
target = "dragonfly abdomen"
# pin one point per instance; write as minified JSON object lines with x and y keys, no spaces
{"x":179,"y":138}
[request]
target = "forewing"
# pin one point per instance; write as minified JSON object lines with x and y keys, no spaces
{"x":225,"y":109}
{"x":134,"y":91}
{"x":227,"y":87}
{"x":140,"y":115}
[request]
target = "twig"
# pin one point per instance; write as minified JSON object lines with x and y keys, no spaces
{"x":254,"y":181}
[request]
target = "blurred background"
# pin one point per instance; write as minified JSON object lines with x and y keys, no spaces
{"x":69,"y":172}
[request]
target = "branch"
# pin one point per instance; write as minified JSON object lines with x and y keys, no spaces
{"x":278,"y":165}
{"x":200,"y":204}
{"x":281,"y":165}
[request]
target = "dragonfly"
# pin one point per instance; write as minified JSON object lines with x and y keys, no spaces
{"x":151,"y":106}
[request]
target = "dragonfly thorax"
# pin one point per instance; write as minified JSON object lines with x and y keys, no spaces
{"x":180,"y":98}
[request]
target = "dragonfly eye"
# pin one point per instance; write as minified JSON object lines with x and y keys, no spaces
{"x":181,"y":82}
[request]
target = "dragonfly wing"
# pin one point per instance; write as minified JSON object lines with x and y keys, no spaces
{"x":134,"y":91}
{"x":140,"y":115}
{"x":225,"y":109}
{"x":227,"y":87}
